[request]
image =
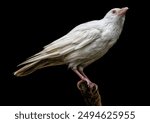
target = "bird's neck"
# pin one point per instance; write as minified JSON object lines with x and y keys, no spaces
{"x":113,"y":25}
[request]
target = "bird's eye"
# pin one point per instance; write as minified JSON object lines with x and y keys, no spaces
{"x":113,"y":11}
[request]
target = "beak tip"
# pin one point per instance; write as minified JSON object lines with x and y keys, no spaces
{"x":123,"y":11}
{"x":126,"y":8}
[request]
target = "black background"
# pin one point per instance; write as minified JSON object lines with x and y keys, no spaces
{"x":120,"y":74}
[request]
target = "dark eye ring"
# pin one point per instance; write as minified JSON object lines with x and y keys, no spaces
{"x":114,"y":11}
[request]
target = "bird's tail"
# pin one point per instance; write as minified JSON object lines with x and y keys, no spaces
{"x":27,"y":69}
{"x":33,"y":66}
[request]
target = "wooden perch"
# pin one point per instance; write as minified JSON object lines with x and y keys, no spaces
{"x":90,"y":93}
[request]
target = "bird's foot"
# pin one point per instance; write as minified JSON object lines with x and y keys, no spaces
{"x":89,"y":83}
{"x":85,"y":86}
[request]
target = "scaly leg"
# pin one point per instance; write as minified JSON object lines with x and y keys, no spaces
{"x":87,"y":79}
{"x":82,"y":75}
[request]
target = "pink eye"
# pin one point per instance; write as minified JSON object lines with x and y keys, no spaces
{"x":113,"y":11}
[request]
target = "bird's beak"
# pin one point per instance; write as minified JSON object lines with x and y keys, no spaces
{"x":123,"y":11}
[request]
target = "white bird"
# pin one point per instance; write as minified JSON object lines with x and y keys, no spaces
{"x":79,"y":48}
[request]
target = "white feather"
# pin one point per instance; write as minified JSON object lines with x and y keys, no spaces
{"x":84,"y":44}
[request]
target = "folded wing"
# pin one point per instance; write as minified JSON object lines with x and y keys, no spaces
{"x":74,"y":40}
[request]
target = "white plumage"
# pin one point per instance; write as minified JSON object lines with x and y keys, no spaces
{"x":83,"y":45}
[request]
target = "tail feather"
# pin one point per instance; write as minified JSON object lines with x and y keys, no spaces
{"x":27,"y":69}
{"x":32,"y":67}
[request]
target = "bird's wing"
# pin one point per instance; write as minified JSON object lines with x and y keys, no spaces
{"x":72,"y":41}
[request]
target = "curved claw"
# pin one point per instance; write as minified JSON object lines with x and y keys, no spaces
{"x":90,"y":85}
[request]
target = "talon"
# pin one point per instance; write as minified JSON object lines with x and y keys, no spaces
{"x":91,"y":84}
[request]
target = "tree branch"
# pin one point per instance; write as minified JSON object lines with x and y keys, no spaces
{"x":90,"y":93}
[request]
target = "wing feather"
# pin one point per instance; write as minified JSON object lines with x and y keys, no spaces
{"x":72,"y":41}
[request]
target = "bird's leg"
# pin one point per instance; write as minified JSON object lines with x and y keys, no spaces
{"x":87,"y":79}
{"x":84,"y":78}
{"x":89,"y":83}
{"x":81,"y":74}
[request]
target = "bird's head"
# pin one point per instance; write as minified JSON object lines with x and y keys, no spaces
{"x":116,"y":13}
